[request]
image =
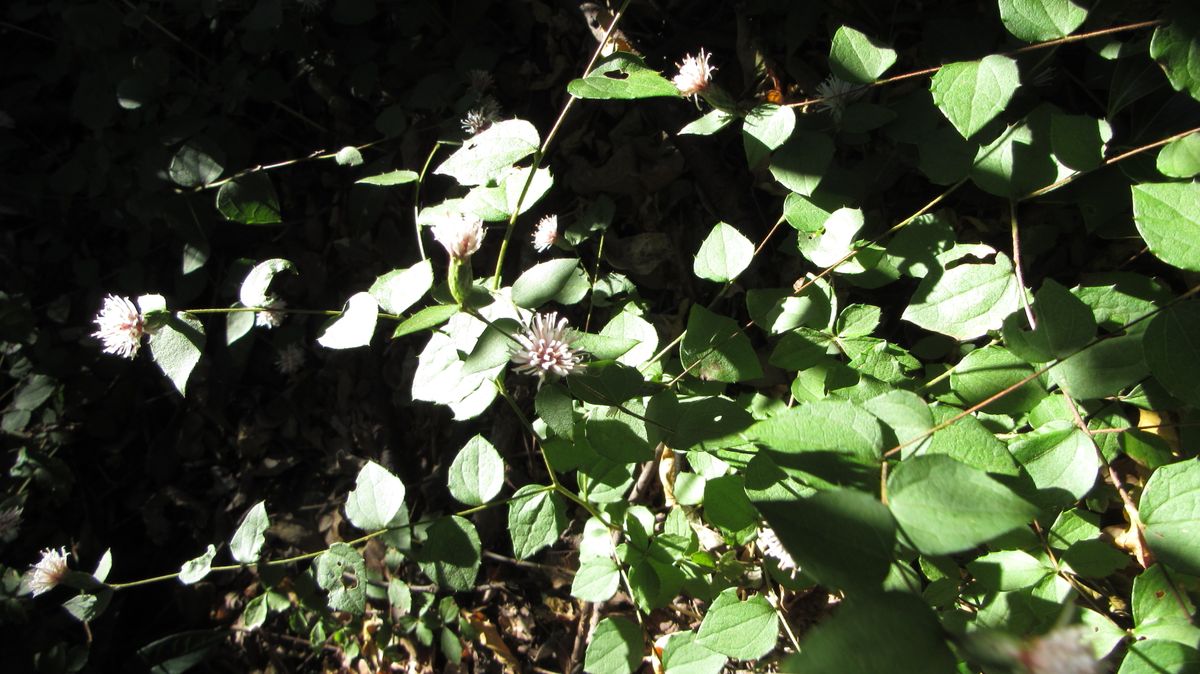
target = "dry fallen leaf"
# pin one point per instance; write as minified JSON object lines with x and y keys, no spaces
{"x":490,"y":637}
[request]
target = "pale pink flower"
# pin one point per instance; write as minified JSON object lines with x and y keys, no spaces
{"x":837,"y":93}
{"x":546,"y":348}
{"x":120,"y":326}
{"x":545,"y":233}
{"x":1062,"y":651}
{"x":48,"y":572}
{"x":695,"y":74}
{"x":290,"y":359}
{"x":273,"y":317}
{"x":480,"y":118}
{"x":460,"y":234}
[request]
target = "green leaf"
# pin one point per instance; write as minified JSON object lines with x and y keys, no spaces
{"x":1008,"y":570}
{"x":857,"y":320}
{"x":767,"y":126}
{"x":176,"y":347}
{"x":1156,"y":656}
{"x":990,"y":370}
{"x":390,"y":178}
{"x":1064,"y":325}
{"x":972,"y":93}
{"x":86,"y":607}
{"x":842,"y":538}
{"x":536,"y":518}
{"x":724,"y":254}
{"x":348,"y":156}
{"x":1103,"y":369}
{"x":196,"y":163}
{"x":1169,"y":506}
{"x":253,"y":292}
{"x":851,"y":640}
{"x":1041,"y":20}
{"x":622,"y":76}
{"x":596,"y":580}
{"x":399,"y":289}
{"x":1158,"y":598}
{"x":1176,"y":47}
{"x":906,"y":415}
{"x":944,"y":506}
{"x":966,"y":301}
{"x":484,"y":156}
{"x":743,"y":630}
{"x":800,"y":163}
{"x":354,"y":327}
{"x":250,"y":200}
{"x":493,"y":348}
{"x":426,"y":319}
{"x":606,"y":383}
{"x":343,"y":574}
{"x":377,"y":497}
{"x":1078,"y":141}
{"x":1172,"y":350}
{"x":1061,"y":460}
{"x":779,"y":311}
{"x":477,"y":472}
{"x":835,"y":242}
{"x":1021,"y":160}
{"x":541,"y":282}
{"x":715,"y":349}
{"x":104,"y":566}
{"x":854,"y":57}
{"x":627,"y":326}
{"x":177,"y":653}
{"x":248,"y":540}
{"x":682,"y":655}
{"x":1167,"y":216}
{"x":1180,"y":158}
{"x":193,"y":571}
{"x":802,"y":214}
{"x":451,"y":554}
{"x":619,"y":436}
{"x":726,"y":505}
{"x":826,"y":426}
{"x":616,"y":647}
{"x":710,"y":123}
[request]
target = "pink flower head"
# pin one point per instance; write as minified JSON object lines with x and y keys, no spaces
{"x":460,"y":234}
{"x":545,"y":233}
{"x":695,"y":74}
{"x":120,"y":326}
{"x":48,"y":572}
{"x":546,"y":348}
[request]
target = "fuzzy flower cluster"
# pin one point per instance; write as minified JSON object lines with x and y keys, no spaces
{"x":545,"y":348}
{"x":460,"y":234}
{"x":290,"y":359}
{"x":837,"y":93}
{"x":1062,"y":651}
{"x":273,"y":317}
{"x":771,"y":547}
{"x":48,"y":572}
{"x":479,"y":118}
{"x":120,"y":326}
{"x":695,"y":74}
{"x":545,"y":233}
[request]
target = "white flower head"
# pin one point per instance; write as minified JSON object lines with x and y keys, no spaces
{"x":480,"y":80}
{"x":460,"y":234}
{"x":771,"y":547}
{"x":290,"y":359}
{"x":545,"y":233}
{"x":837,"y":93}
{"x":120,"y":326}
{"x":10,"y":523}
{"x":695,"y":74}
{"x":1062,"y":651}
{"x":273,"y":317}
{"x":48,"y":572}
{"x":546,"y":348}
{"x":480,"y":118}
